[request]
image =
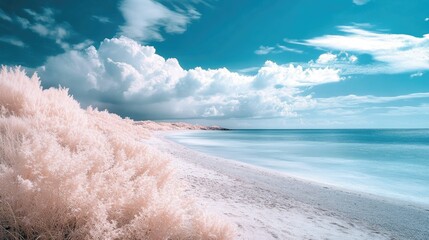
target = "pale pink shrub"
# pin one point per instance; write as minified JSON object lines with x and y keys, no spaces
{"x":69,"y":173}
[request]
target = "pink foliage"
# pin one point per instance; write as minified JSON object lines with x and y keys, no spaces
{"x":70,"y":173}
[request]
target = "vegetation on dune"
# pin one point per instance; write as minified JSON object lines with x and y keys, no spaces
{"x":70,"y":173}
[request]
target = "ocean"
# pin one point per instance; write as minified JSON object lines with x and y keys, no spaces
{"x":391,"y":163}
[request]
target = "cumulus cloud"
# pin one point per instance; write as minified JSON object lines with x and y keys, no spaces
{"x":279,"y":76}
{"x":132,"y":80}
{"x":395,"y":52}
{"x":326,"y":58}
{"x":13,"y":41}
{"x":360,"y":2}
{"x":146,"y":19}
{"x":337,"y":60}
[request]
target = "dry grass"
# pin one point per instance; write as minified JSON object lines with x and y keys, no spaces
{"x":70,"y":173}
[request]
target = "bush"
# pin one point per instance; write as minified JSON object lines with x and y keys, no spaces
{"x":70,"y":173}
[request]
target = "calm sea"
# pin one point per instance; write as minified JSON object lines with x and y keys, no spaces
{"x":385,"y":162}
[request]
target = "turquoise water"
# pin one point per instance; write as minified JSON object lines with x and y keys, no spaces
{"x":385,"y":162}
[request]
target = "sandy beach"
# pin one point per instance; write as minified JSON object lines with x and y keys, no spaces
{"x":264,"y":204}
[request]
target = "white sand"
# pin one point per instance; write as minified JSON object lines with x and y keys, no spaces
{"x":263,"y":204}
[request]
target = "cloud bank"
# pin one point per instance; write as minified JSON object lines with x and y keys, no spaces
{"x":131,"y":79}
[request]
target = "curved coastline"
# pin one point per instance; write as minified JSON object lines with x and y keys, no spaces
{"x":285,"y":206}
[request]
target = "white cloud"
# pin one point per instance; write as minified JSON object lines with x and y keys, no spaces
{"x":146,"y":19}
{"x":47,"y":15}
{"x":343,"y":60}
{"x":279,"y":76}
{"x":360,"y":2}
{"x":4,"y":16}
{"x":326,"y":58}
{"x":40,"y":29}
{"x":23,"y":22}
{"x":417,"y":74}
{"x":364,"y":111}
{"x":133,"y":80}
{"x":369,"y":111}
{"x":44,"y":25}
{"x":288,"y":49}
{"x":13,"y":41}
{"x":396,"y":52}
{"x":263,"y":50}
{"x":418,"y":111}
{"x":352,"y":100}
{"x":83,"y":45}
{"x":248,"y":70}
{"x":101,"y":19}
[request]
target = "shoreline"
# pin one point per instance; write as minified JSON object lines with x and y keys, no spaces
{"x":310,"y":181}
{"x":268,"y":205}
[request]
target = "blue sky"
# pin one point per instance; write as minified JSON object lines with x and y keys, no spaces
{"x":240,"y":64}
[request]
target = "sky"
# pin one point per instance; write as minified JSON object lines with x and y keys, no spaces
{"x":238,"y":64}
